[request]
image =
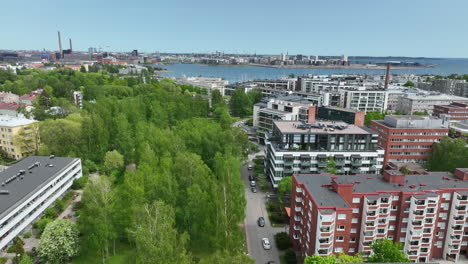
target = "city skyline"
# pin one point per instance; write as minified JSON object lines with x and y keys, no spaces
{"x":361,"y":28}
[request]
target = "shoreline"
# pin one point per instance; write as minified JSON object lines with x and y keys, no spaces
{"x":331,"y":67}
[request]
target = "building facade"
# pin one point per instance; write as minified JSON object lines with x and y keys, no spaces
{"x":335,"y":213}
{"x":366,"y":101}
{"x":341,"y":114}
{"x":408,"y":139}
{"x":454,"y":112}
{"x":29,"y":187}
{"x":292,"y":108}
{"x":297,"y":147}
{"x":425,"y":103}
{"x":19,"y":136}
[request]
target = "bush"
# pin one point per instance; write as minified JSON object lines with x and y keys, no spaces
{"x":290,"y":256}
{"x":41,"y":224}
{"x":17,"y":246}
{"x":77,"y":206}
{"x":68,"y":196}
{"x":59,"y":205}
{"x":282,"y":241}
{"x":50,"y":213}
{"x":80,"y":183}
{"x":90,"y":166}
{"x":27,"y":235}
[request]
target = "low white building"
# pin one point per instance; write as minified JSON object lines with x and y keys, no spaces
{"x":29,"y":187}
{"x":425,"y":103}
{"x":205,"y":82}
{"x":366,"y":100}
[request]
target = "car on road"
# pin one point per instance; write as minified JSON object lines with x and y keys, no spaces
{"x":271,"y":262}
{"x":252,"y":184}
{"x":250,"y":167}
{"x":266,"y":243}
{"x":261,"y":221}
{"x":251,"y":177}
{"x":254,"y":189}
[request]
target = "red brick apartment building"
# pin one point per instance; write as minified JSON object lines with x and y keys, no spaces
{"x":345,"y":213}
{"x":408,"y":139}
{"x":453,"y":112}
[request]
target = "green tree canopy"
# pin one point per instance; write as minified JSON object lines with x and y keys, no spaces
{"x":409,"y":84}
{"x":59,"y":242}
{"x":448,"y":154}
{"x":385,"y":251}
{"x":240,"y":103}
{"x":113,"y":160}
{"x":331,"y":165}
{"x":284,"y":187}
{"x":373,"y":116}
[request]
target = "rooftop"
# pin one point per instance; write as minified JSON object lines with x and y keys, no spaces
{"x":320,"y":127}
{"x":339,"y":109}
{"x":435,"y":97}
{"x":373,"y":183}
{"x":13,"y":121}
{"x":20,"y":189}
{"x":9,"y":106}
{"x":412,"y":121}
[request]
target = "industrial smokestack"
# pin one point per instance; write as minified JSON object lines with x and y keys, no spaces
{"x":60,"y":44}
{"x":387,"y":76}
{"x":71,"y":49}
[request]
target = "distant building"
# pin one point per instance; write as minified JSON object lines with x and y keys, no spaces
{"x":78,"y":98}
{"x":332,"y":214}
{"x":408,"y":139}
{"x":205,"y":82}
{"x":135,"y":53}
{"x":453,"y":112}
{"x":28,"y":99}
{"x":366,"y":100}
{"x":297,"y":147}
{"x":8,"y":97}
{"x":10,"y":109}
{"x":425,"y":103}
{"x":446,"y":86}
{"x":19,"y":136}
{"x":29,"y":187}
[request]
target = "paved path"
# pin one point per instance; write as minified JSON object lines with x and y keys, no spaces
{"x":68,"y":212}
{"x":254,"y":234}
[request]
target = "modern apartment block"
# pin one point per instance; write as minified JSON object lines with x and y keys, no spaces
{"x":408,"y":139}
{"x":29,"y":187}
{"x":337,"y":213}
{"x":293,"y":108}
{"x":19,"y":136}
{"x":299,"y":147}
{"x":425,"y":103}
{"x":366,"y":101}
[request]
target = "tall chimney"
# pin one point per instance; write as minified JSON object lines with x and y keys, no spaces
{"x":387,"y":76}
{"x":71,"y":49}
{"x":60,"y":44}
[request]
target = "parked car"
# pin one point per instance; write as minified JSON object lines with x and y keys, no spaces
{"x":266,"y":243}
{"x":252,"y":184}
{"x":254,"y":189}
{"x":271,"y":262}
{"x":250,"y":167}
{"x":251,"y":177}
{"x":261,"y":221}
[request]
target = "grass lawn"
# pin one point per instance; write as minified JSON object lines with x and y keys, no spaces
{"x":122,"y":256}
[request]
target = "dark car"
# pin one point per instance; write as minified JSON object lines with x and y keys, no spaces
{"x":261,"y":221}
{"x":271,"y":262}
{"x":254,"y":190}
{"x":252,"y":178}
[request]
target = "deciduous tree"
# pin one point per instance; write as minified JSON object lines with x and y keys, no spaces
{"x":59,"y":242}
{"x":385,"y":251}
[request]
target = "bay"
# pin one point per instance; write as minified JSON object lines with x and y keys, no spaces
{"x":241,"y":73}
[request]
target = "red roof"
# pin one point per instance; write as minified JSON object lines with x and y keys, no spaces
{"x":32,"y":95}
{"x":9,"y":106}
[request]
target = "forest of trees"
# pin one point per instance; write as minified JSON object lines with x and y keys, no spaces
{"x":184,"y":202}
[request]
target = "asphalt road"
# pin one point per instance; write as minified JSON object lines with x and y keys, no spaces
{"x":256,"y":208}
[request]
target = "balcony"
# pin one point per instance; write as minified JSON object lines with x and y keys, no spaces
{"x":322,"y":163}
{"x":339,"y":162}
{"x":305,"y":170}
{"x":373,"y":161}
{"x":325,"y":229}
{"x":305,"y":162}
{"x":355,"y":170}
{"x":460,"y":208}
{"x":323,"y":252}
{"x":416,"y":223}
{"x":324,"y":240}
{"x":419,"y":202}
{"x":418,"y":212}
{"x":356,"y":162}
{"x":288,"y":170}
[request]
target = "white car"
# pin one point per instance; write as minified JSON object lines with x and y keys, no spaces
{"x":266,"y":243}
{"x":252,"y":184}
{"x":250,"y":167}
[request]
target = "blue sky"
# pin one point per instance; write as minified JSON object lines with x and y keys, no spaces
{"x":431,"y":28}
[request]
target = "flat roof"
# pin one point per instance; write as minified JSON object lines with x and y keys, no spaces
{"x":435,"y":97}
{"x":13,"y":121}
{"x":339,"y":109}
{"x":22,"y":189}
{"x":412,"y":117}
{"x":292,"y":127}
{"x":374,"y":183}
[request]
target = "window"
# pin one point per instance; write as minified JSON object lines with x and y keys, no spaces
{"x":396,"y":198}
{"x":380,"y":231}
{"x":354,"y":220}
{"x":394,"y":208}
{"x":446,"y":196}
{"x":403,"y":229}
{"x":341,"y":216}
{"x":438,"y":244}
{"x":402,"y":239}
{"x":441,"y":225}
{"x":443,"y":215}
{"x":341,"y":227}
{"x":338,"y":249}
{"x":351,"y":250}
{"x":392,"y":217}
{"x":356,"y":200}
{"x":355,"y":210}
{"x":392,"y":227}
{"x":445,"y":206}
{"x":339,"y":238}
{"x":352,"y":240}
{"x":440,"y":234}
{"x":405,"y":220}
{"x":390,"y":237}
{"x":353,"y":230}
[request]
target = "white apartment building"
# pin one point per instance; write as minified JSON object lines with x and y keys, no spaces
{"x":292,"y":108}
{"x":29,"y":187}
{"x":205,"y":82}
{"x":366,"y":101}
